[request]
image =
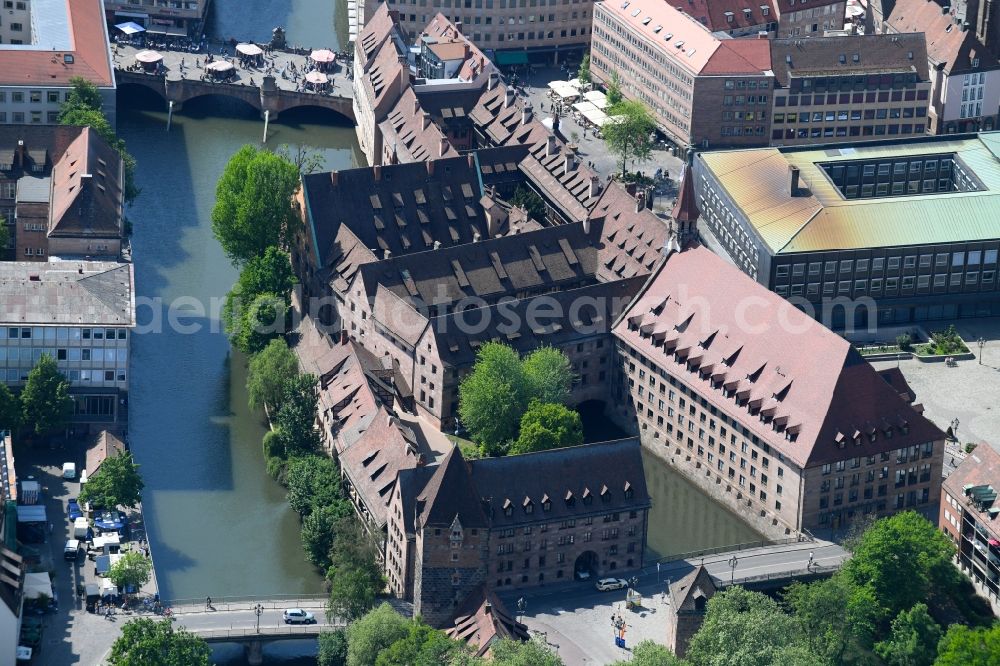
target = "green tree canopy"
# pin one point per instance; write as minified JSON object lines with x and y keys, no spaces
{"x":629,"y":136}
{"x":269,"y":370}
{"x":116,"y":483}
{"x":422,"y":646}
{"x":904,"y":560}
{"x":295,"y":421}
{"x":253,"y":326}
{"x":332,"y":648}
{"x":548,"y":426}
{"x":493,"y":397}
{"x":962,"y":646}
{"x":584,"y":72}
{"x":45,"y":399}
{"x":253,"y":204}
{"x":742,"y":628}
{"x":508,"y":652}
{"x":318,"y":530}
{"x":10,"y":407}
{"x":834,"y":617}
{"x":145,"y":642}
{"x":524,"y":197}
{"x":374,"y":632}
{"x":914,"y":639}
{"x":648,"y":653}
{"x":83,"y":94}
{"x":132,"y":569}
{"x":354,"y":577}
{"x":614,"y":89}
{"x":549,"y":375}
{"x":312,"y":481}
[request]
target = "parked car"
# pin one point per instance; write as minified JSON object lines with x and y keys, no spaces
{"x":73,"y":508}
{"x":71,"y":553}
{"x":109,"y":520}
{"x":606,"y":584}
{"x":69,"y":470}
{"x":298,"y":616}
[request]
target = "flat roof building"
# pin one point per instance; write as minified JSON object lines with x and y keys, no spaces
{"x":55,"y":41}
{"x":912,"y":225}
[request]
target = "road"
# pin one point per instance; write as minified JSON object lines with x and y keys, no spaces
{"x":243,"y":620}
{"x":575,"y":616}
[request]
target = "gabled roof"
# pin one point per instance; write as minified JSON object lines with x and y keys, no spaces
{"x":612,"y":472}
{"x":482,"y":618}
{"x":377,"y":29}
{"x":382,"y":78}
{"x":729,"y":15}
{"x":805,"y":387}
{"x":105,"y":445}
{"x":849,"y":55}
{"x":947,"y":43}
{"x":410,"y":134}
{"x":685,"y":207}
{"x":86,"y":189}
{"x":980,"y":468}
{"x":695,"y":584}
{"x":450,"y":494}
{"x":631,"y":240}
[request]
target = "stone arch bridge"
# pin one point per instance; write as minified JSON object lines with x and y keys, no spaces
{"x":268,"y":96}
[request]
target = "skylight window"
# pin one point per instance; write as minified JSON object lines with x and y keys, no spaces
{"x":635,"y":12}
{"x":657,"y":28}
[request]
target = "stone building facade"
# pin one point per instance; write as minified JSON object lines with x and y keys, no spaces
{"x":688,"y":604}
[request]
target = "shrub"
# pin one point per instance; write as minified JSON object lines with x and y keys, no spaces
{"x":904,"y":342}
{"x":970,"y":447}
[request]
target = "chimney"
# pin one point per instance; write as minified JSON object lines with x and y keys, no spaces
{"x":476,"y":237}
{"x":437,"y":245}
{"x":550,"y":145}
{"x":488,"y":607}
{"x":387,"y":254}
{"x":426,"y":120}
{"x":595,"y":186}
{"x":443,"y":147}
{"x":458,"y":27}
{"x":471,"y":157}
{"x":586,"y":226}
{"x":430,"y":167}
{"x":568,"y":162}
{"x":491,"y":82}
{"x":945,"y":9}
{"x":20,"y":153}
{"x":334,"y":177}
{"x":508,"y":97}
{"x":965,"y":26}
{"x":377,"y":171}
{"x":526,"y":114}
{"x":793,"y":172}
{"x":416,"y":105}
{"x":640,"y":202}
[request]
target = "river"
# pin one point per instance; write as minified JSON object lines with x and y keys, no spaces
{"x":218,"y":525}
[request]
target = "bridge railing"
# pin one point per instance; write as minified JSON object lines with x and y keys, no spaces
{"x":292,"y":631}
{"x":799,"y":573}
{"x":749,"y":545}
{"x":246,"y":603}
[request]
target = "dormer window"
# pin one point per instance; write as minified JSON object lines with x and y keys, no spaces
{"x":605,"y":494}
{"x":529,"y":507}
{"x":509,"y":511}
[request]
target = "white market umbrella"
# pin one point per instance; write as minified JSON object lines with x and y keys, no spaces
{"x":322,"y":55}
{"x":148,"y":57}
{"x":249,"y":49}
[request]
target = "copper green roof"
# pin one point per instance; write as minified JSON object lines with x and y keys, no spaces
{"x":820,"y":218}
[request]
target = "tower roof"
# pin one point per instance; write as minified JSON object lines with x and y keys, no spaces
{"x":450,"y":493}
{"x":685,"y":206}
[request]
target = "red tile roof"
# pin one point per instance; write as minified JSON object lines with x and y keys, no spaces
{"x":482,"y":618}
{"x":90,"y":53}
{"x":798,"y":386}
{"x":980,"y":468}
{"x":739,"y":56}
{"x":713,"y":13}
{"x":86,"y":189}
{"x":686,"y":204}
{"x":946,"y":42}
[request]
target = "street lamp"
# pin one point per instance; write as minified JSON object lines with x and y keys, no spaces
{"x":733,"y":561}
{"x":258,"y":610}
{"x":982,"y":343}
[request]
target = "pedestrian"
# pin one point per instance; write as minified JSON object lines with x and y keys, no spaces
{"x":208,"y":603}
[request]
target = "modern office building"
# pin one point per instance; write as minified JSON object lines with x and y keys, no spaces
{"x":770,"y":18}
{"x":705,"y":90}
{"x":908,"y":228}
{"x":39,"y":54}
{"x":840,"y":89}
{"x":764,"y":408}
{"x":969,"y":511}
{"x":179,"y":18}
{"x":962,"y":60}
{"x":81,"y":314}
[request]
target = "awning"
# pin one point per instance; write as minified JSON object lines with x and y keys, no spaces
{"x":166,"y":30}
{"x":512,"y":58}
{"x":138,"y":15}
{"x":37,"y":585}
{"x":130,"y":28}
{"x":34,"y":513}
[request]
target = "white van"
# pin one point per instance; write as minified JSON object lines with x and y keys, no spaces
{"x":69,"y":470}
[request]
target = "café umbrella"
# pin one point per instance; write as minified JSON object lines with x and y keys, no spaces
{"x":219,"y":66}
{"x":130,"y":28}
{"x":322,"y":55}
{"x":317,"y":77}
{"x":148,"y":57}
{"x":249,"y":49}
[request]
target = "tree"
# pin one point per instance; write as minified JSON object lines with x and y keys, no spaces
{"x":145,"y":642}
{"x":373,"y":633}
{"x":354,"y":576}
{"x":133,"y":569}
{"x":307,"y":159}
{"x":45,"y":399}
{"x":584,"y":72}
{"x":10,"y":407}
{"x":549,"y":375}
{"x":508,"y":652}
{"x":834,"y":617}
{"x":270,"y":273}
{"x":614,"y":90}
{"x":83,"y":94}
{"x":493,"y":397}
{"x":312,"y":481}
{"x":318,"y":531}
{"x":254,"y":326}
{"x":116,"y":483}
{"x":628,"y":136}
{"x":914,"y":639}
{"x":903,"y":560}
{"x":963,"y":646}
{"x":548,"y":426}
{"x":295,"y":422}
{"x":253,"y":204}
{"x":332,"y":648}
{"x":524,"y":197}
{"x":741,"y":628}
{"x":270,"y":369}
{"x":422,"y":646}
{"x":648,"y":653}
